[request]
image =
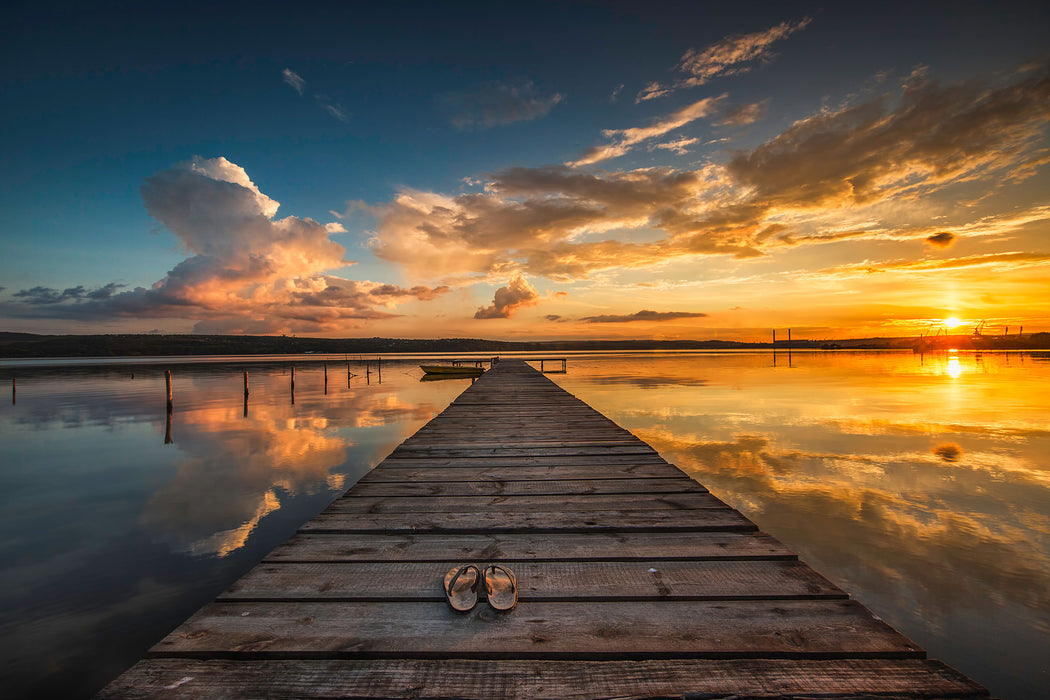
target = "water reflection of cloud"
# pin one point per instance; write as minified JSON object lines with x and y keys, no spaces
{"x":967,"y":530}
{"x":948,"y":451}
{"x":653,"y":381}
{"x":236,"y":470}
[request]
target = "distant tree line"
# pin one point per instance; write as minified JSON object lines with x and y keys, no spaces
{"x":14,"y":345}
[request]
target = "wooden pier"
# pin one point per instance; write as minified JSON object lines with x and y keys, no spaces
{"x":634,"y":582}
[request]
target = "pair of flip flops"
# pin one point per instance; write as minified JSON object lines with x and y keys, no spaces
{"x":462,"y":582}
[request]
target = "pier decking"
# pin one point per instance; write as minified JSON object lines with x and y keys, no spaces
{"x":634,"y":582}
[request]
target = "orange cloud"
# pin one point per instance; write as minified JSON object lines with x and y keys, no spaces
{"x":624,"y":139}
{"x":729,"y":56}
{"x":643,"y":315}
{"x":789,"y":191}
{"x":516,"y":295}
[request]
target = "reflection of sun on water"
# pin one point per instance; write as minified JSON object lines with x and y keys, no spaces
{"x":954,"y":368}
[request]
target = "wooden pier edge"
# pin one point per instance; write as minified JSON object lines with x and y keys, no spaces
{"x":634,"y":582}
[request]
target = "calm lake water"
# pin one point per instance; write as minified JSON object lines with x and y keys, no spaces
{"x":920,"y":484}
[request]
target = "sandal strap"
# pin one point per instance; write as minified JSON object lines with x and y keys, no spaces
{"x":494,"y":567}
{"x":462,"y":570}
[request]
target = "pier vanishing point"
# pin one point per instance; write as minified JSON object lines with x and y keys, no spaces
{"x":634,"y":582}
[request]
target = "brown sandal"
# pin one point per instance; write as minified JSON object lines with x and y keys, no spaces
{"x":464,"y":596}
{"x":501,"y":587}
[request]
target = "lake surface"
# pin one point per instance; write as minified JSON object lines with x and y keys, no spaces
{"x":919,"y":484}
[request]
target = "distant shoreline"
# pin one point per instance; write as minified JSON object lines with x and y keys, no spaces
{"x":28,"y":345}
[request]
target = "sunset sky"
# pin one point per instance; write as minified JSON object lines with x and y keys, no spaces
{"x":510,"y":170}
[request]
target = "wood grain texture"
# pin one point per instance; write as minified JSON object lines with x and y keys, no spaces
{"x":597,"y":461}
{"x":473,"y":473}
{"x":424,"y":679}
{"x":617,"y":546}
{"x":559,"y":580}
{"x":549,"y":487}
{"x":527,"y":503}
{"x":540,"y":629}
{"x":705,"y":520}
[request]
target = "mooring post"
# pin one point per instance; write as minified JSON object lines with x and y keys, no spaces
{"x":246,"y":386}
{"x":167,"y":382}
{"x":326,"y":379}
{"x":293,"y":384}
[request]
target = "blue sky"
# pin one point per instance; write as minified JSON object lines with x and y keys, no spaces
{"x":493,"y":125}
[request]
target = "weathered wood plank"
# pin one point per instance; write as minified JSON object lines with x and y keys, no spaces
{"x":620,"y":546}
{"x":420,"y":487}
{"x":456,"y":442}
{"x":705,"y":520}
{"x":560,"y":580}
{"x":551,"y":630}
{"x":620,"y":472}
{"x":426,"y":679}
{"x":465,"y":450}
{"x":598,"y":461}
{"x":529,"y":503}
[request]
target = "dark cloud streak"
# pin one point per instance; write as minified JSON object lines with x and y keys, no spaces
{"x":643,"y":315}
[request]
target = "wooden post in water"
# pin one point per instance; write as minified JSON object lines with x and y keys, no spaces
{"x":246,"y":394}
{"x":14,"y":391}
{"x":167,"y":383}
{"x":379,"y":368}
{"x":167,"y":422}
{"x":326,"y":379}
{"x":293,"y":385}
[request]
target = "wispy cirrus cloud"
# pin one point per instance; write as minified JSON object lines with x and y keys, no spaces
{"x":293,"y":79}
{"x":622,"y":140}
{"x":298,"y":83}
{"x":742,"y":115}
{"x":497,"y":104}
{"x":643,"y":315}
{"x":999,"y":262}
{"x":335,"y":110}
{"x":651,"y":91}
{"x":679,"y":145}
{"x":733,"y":55}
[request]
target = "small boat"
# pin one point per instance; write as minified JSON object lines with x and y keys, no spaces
{"x":453,"y":370}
